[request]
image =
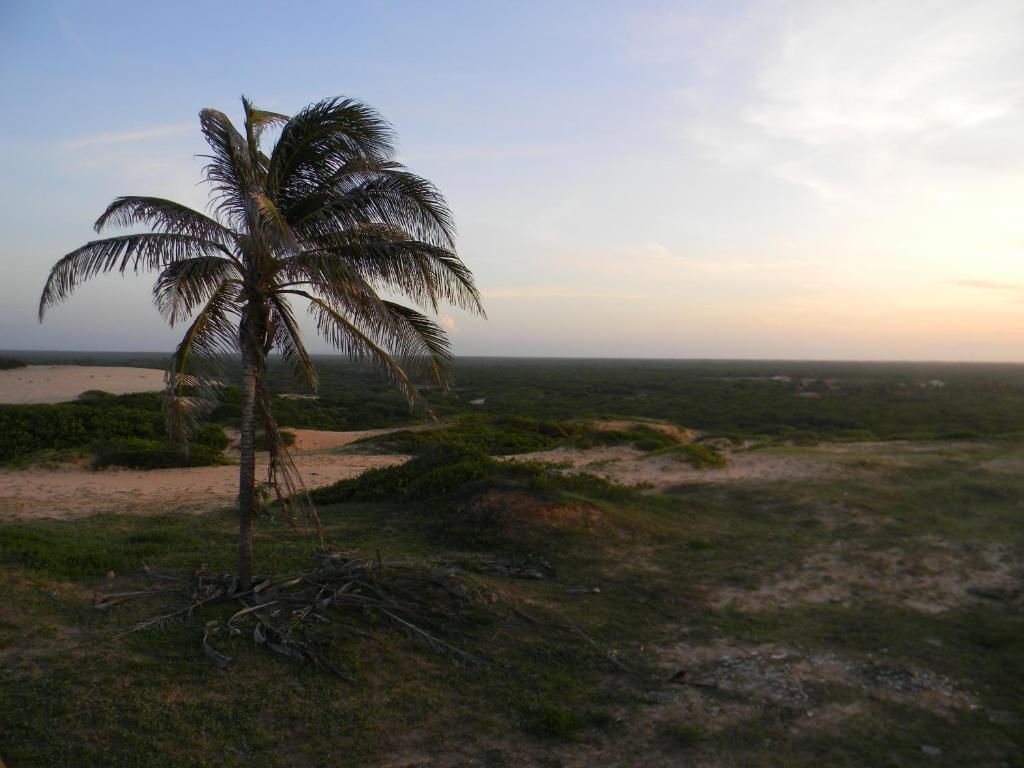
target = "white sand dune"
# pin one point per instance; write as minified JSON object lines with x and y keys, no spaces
{"x":61,"y":383}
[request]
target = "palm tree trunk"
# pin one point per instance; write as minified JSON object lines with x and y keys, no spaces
{"x":246,"y":468}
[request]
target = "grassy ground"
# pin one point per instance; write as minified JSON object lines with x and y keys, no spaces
{"x":873,"y":618}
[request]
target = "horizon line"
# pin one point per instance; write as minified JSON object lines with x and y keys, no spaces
{"x":611,"y":358}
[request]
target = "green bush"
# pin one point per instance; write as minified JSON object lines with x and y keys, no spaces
{"x":205,"y":449}
{"x":7,"y":363}
{"x":127,"y":430}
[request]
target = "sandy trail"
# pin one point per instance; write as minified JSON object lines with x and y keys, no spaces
{"x":71,"y":491}
{"x":61,"y":383}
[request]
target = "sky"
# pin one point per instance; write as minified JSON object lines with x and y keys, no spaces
{"x":768,"y":179}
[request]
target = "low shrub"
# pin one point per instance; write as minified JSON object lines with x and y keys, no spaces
{"x":8,"y":363}
{"x":467,"y":498}
{"x":205,"y":449}
{"x":491,"y":435}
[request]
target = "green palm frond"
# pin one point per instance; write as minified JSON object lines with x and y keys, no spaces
{"x":163,"y":216}
{"x":288,"y":340}
{"x":427,"y":274}
{"x":182,"y":286}
{"x":355,"y":343}
{"x":393,"y":198}
{"x":230,"y":171}
{"x":197,"y":366}
{"x":420,"y":343}
{"x":320,"y":139}
{"x":140,"y":252}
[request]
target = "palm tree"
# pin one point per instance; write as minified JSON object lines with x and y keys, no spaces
{"x":328,"y":219}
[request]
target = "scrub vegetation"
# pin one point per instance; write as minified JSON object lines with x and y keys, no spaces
{"x":869,"y":615}
{"x":110,"y":430}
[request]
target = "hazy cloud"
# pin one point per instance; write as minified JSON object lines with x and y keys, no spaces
{"x":114,"y":138}
{"x":992,"y":285}
{"x":853,"y":100}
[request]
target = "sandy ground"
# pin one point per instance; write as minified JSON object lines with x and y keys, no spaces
{"x":71,"y":491}
{"x":61,"y":383}
{"x":661,"y":472}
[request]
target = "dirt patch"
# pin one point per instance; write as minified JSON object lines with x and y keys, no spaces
{"x":64,"y":491}
{"x":61,"y":383}
{"x":313,"y":440}
{"x":661,"y":472}
{"x":932,"y":581}
{"x":727,"y":682}
{"x":678,"y":434}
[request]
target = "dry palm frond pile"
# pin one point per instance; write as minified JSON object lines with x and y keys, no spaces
{"x":302,"y":616}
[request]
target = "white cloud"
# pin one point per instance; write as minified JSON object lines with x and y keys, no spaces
{"x":114,"y":138}
{"x":860,"y":99}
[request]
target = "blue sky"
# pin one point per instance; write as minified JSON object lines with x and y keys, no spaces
{"x":746,"y":179}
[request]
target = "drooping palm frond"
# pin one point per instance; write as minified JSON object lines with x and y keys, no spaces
{"x":392,"y":259}
{"x":420,"y":344}
{"x":355,"y":343}
{"x":182,"y":286}
{"x":282,"y":474}
{"x":197,"y":367}
{"x":140,"y":252}
{"x":288,"y":341}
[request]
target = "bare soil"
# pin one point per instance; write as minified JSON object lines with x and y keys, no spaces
{"x":61,"y":383}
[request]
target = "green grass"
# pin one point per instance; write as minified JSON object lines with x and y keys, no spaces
{"x":640,"y":574}
{"x":657,"y":561}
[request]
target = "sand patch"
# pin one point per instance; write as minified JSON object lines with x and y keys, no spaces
{"x":312,"y":440}
{"x":72,"y":491}
{"x":62,"y":383}
{"x":662,"y":472}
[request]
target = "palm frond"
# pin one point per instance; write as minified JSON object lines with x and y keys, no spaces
{"x":282,"y":474}
{"x":394,"y":198}
{"x":322,"y":138}
{"x":197,"y":366}
{"x":353,"y":342}
{"x":257,"y":120}
{"x":230,"y":171}
{"x":154,"y":250}
{"x":420,"y":343}
{"x":392,"y":260}
{"x":184,"y":285}
{"x":163,"y":216}
{"x":289,"y":343}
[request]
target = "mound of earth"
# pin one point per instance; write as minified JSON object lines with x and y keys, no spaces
{"x":679,"y":434}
